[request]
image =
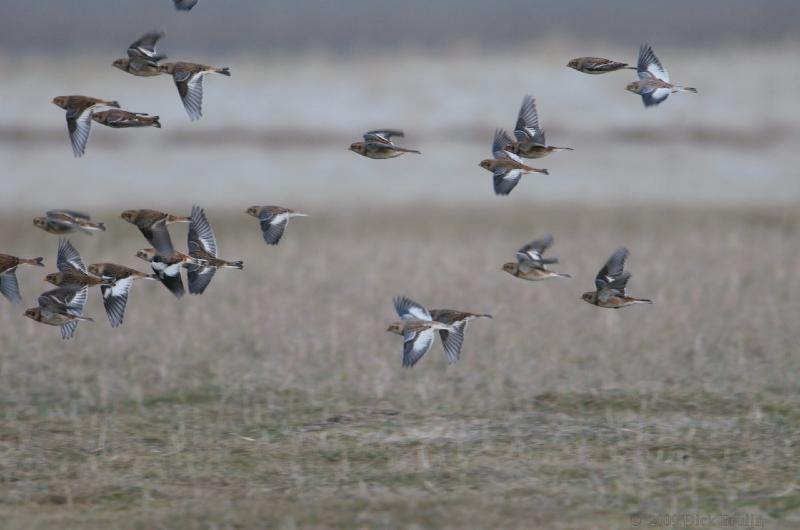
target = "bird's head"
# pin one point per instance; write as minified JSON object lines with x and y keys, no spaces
{"x":95,"y":269}
{"x":487,"y":164}
{"x":60,"y":101}
{"x":129,"y":215}
{"x":358,"y":147}
{"x":146,"y":254}
{"x":395,"y":327}
{"x":122,"y":64}
{"x":633,"y":87}
{"x":511,"y":268}
{"x":41,"y":222}
{"x":35,"y":313}
{"x":253,"y":210}
{"x":590,"y":296}
{"x":54,"y":278}
{"x":573,"y":63}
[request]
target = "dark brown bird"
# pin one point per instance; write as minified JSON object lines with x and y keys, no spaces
{"x":79,"y":118}
{"x":378,"y":145}
{"x":9,"y":286}
{"x":115,"y":297}
{"x":142,"y":56}
{"x":188,"y":79}
{"x":507,"y":167}
{"x":122,"y":119}
{"x":203,"y":245}
{"x":596,"y":65}
{"x":66,"y":221}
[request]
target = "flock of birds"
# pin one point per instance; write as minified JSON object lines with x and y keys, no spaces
{"x":64,"y":305}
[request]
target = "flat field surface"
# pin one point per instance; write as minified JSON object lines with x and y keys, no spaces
{"x":277,"y":399}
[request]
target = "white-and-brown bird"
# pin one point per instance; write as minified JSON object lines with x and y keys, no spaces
{"x":65,"y":221}
{"x":79,"y":118}
{"x":115,"y":297}
{"x":203,"y":245}
{"x":417,"y":328}
{"x":188,"y":79}
{"x":378,"y":144}
{"x":9,"y":286}
{"x":531,"y":264}
{"x":274,"y":220}
{"x":611,"y":282}
{"x":459,"y":321}
{"x":61,"y":307}
{"x":530,"y":141}
{"x":142,"y":57}
{"x":653,"y":84}
{"x":507,"y":167}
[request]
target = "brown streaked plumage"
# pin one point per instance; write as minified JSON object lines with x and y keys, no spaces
{"x":378,"y":145}
{"x":653,"y":84}
{"x":79,"y":118}
{"x":9,"y":286}
{"x":72,"y":271}
{"x":531,"y":264}
{"x":597,"y":65}
{"x":153,"y":226}
{"x":274,"y":220}
{"x":417,"y":328}
{"x":66,"y":221}
{"x":115,"y":297}
{"x":202,"y":244}
{"x":61,"y":307}
{"x":452,"y":341}
{"x":529,"y":136}
{"x":611,"y":283}
{"x":168,"y":268}
{"x":142,"y":56}
{"x":188,"y":79}
{"x":507,"y":167}
{"x":120,"y":119}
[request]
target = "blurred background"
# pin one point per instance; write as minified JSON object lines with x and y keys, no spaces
{"x":309,"y":77}
{"x":278,"y":399}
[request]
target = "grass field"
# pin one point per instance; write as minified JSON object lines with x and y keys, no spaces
{"x":277,"y":399}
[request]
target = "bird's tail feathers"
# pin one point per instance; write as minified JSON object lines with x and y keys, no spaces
{"x":223,"y":71}
{"x":239,"y":264}
{"x":642,"y":301}
{"x":687,"y":89}
{"x":37,"y":262}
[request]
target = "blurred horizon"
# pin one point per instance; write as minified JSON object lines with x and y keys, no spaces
{"x":308,"y":79}
{"x":356,"y":25}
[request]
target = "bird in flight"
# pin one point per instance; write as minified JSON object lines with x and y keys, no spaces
{"x":611,"y":282}
{"x":531,"y":264}
{"x":653,"y":84}
{"x":507,"y":167}
{"x":378,"y":144}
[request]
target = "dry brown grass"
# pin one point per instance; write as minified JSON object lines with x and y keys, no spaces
{"x":278,"y":400}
